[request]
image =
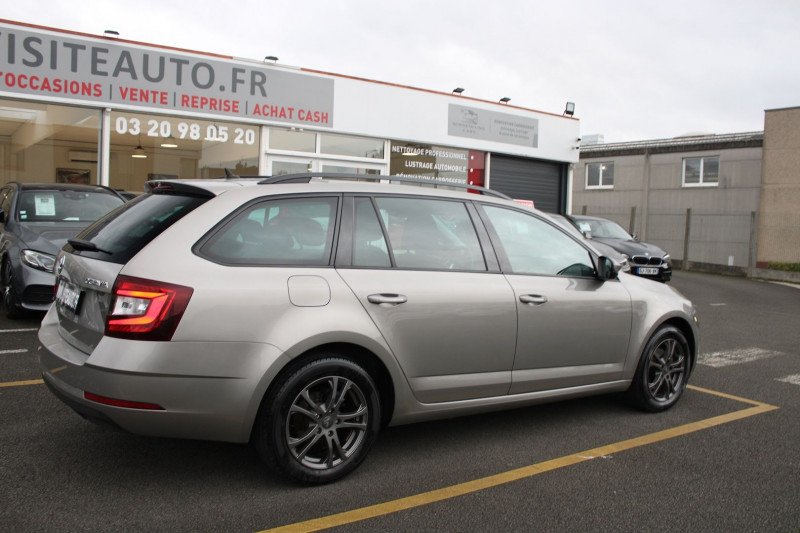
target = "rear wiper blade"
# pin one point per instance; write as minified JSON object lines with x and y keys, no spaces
{"x":88,"y":246}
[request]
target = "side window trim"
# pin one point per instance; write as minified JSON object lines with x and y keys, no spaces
{"x":346,"y":248}
{"x":384,"y":230}
{"x":490,"y":252}
{"x":497,"y":245}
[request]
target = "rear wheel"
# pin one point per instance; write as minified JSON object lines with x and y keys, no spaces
{"x":318,"y":424}
{"x":662,"y":372}
{"x":11,"y":302}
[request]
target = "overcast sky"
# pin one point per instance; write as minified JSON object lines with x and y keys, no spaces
{"x":638,"y":69}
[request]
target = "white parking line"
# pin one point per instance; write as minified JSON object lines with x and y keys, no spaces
{"x":793,"y":379}
{"x":18,"y":330}
{"x":735,"y":357}
{"x":792,"y":285}
{"x":4,"y":352}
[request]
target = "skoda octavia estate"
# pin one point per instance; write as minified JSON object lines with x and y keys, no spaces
{"x":305,"y":313}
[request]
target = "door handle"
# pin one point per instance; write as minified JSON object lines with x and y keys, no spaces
{"x":533,"y":299}
{"x":387,"y":299}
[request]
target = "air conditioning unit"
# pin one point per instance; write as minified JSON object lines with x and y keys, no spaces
{"x":78,"y":156}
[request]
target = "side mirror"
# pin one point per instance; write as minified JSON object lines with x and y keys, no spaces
{"x":607,"y":268}
{"x":634,"y":237}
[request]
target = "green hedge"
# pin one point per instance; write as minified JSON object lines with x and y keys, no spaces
{"x":788,"y":267}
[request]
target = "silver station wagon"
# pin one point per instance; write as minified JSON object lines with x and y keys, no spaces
{"x":304,"y":313}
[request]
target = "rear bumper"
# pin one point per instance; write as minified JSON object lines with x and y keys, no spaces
{"x":199,"y":401}
{"x":93,"y":415}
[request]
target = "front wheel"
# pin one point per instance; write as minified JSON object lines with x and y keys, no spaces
{"x":318,"y":424}
{"x":11,"y":303}
{"x":662,"y":372}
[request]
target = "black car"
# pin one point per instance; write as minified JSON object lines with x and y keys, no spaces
{"x":645,"y":260}
{"x":36,"y":219}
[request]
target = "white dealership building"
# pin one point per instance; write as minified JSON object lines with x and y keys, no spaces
{"x":100,"y":109}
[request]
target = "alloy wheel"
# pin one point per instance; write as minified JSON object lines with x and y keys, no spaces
{"x":327,"y":423}
{"x":666,"y":370}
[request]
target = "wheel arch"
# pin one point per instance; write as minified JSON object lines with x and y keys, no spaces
{"x":370,"y":362}
{"x":688,"y":332}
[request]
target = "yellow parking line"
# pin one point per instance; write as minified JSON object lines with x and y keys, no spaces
{"x":462,"y":489}
{"x":21,"y":383}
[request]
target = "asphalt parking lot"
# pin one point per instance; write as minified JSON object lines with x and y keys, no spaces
{"x":726,"y":458}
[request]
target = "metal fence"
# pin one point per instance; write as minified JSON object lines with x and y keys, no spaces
{"x":694,"y":239}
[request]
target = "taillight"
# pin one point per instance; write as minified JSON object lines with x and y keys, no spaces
{"x":143,"y":309}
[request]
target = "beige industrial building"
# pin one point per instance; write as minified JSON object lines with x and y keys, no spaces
{"x":727,"y":203}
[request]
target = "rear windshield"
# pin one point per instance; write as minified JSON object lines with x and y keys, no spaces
{"x":125,"y":232}
{"x":65,"y":205}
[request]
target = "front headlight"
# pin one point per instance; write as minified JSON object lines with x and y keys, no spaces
{"x":39,"y":260}
{"x":626,"y":263}
{"x":666,"y":260}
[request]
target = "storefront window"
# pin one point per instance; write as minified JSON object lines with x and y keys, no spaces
{"x":48,"y":143}
{"x":296,"y":151}
{"x":292,"y":140}
{"x":348,"y":169}
{"x":145,"y":147}
{"x":428,"y":161}
{"x":352,"y":146}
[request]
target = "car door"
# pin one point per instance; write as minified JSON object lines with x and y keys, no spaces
{"x":573,"y":328}
{"x":417,"y":266}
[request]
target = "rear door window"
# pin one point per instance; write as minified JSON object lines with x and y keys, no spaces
{"x":278,"y":231}
{"x":423,"y":234}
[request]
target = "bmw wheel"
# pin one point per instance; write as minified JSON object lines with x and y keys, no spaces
{"x":319,"y":423}
{"x":662,"y":372}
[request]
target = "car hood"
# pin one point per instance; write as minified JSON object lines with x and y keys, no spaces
{"x":631,"y":247}
{"x":47,"y":237}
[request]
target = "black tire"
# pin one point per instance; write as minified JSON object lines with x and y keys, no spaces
{"x":11,"y":303}
{"x":662,"y":372}
{"x":318,"y":423}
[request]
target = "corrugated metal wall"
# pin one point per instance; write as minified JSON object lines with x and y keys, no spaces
{"x":527,"y":179}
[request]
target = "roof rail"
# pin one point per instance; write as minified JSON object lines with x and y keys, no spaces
{"x":305,"y":177}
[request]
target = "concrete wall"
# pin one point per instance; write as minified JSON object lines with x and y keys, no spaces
{"x":779,"y":221}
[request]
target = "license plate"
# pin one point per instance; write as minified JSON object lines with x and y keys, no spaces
{"x":647,"y":271}
{"x":68,"y":298}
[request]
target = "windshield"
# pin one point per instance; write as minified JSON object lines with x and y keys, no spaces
{"x":65,"y":205}
{"x":603,"y":229}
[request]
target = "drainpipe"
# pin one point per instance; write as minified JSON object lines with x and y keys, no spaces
{"x":645,"y":195}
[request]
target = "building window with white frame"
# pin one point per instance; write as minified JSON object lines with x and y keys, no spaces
{"x":701,"y":171}
{"x":600,"y":175}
